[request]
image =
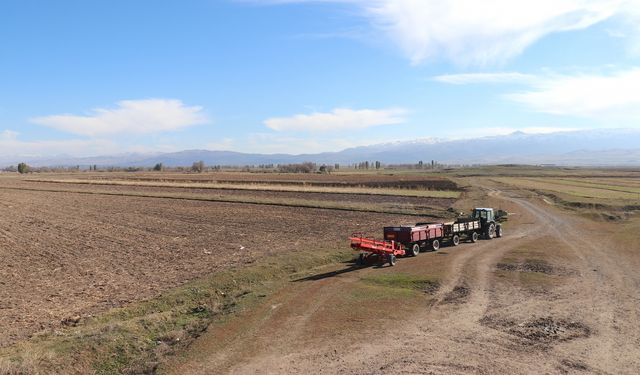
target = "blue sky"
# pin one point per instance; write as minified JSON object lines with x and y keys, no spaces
{"x":102,"y":77}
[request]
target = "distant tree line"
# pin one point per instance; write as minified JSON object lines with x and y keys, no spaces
{"x":201,"y":167}
{"x":368,"y":165}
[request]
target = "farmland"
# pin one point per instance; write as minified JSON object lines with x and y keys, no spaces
{"x":612,"y":191}
{"x":245,"y":272}
{"x":82,"y":247}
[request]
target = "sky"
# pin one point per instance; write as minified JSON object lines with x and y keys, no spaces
{"x":85,"y":78}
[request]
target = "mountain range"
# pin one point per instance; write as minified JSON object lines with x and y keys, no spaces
{"x":603,"y":147}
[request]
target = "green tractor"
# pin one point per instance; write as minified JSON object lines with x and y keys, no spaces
{"x":490,"y":221}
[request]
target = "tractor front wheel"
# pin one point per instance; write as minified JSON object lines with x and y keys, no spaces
{"x":491,"y":231}
{"x":499,"y":231}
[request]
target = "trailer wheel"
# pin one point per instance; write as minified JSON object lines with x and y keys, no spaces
{"x":392,"y":260}
{"x":474,"y":237}
{"x":455,"y":240}
{"x":435,"y":245}
{"x":415,"y":250}
{"x":499,"y":231}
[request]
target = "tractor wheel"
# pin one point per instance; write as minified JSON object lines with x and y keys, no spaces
{"x":491,"y":232}
{"x":435,"y":245}
{"x":474,"y":237}
{"x":392,"y":260}
{"x":361,"y":260}
{"x":499,"y":231}
{"x":455,"y":240}
{"x":415,"y":250}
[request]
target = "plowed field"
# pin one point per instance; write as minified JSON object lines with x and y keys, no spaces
{"x":75,"y":250}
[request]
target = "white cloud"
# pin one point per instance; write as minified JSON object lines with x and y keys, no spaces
{"x":609,"y":96}
{"x":129,"y":117}
{"x":628,"y":28}
{"x":480,"y":32}
{"x":8,"y":135}
{"x":338,"y":120}
{"x":13,"y":148}
{"x":500,"y":77}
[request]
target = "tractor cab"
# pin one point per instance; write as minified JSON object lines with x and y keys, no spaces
{"x":485,"y":215}
{"x":489,"y":221}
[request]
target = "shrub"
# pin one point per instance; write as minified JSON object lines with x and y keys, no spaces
{"x":198,"y":166}
{"x":23,"y":168}
{"x":298,"y":168}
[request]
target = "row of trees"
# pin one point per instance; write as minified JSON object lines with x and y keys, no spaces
{"x":307,"y":167}
{"x":367,"y":165}
{"x":200,"y":167}
{"x":21,"y":168}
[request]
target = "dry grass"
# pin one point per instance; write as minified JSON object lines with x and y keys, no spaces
{"x":267,"y":187}
{"x":609,"y":192}
{"x":620,"y":185}
{"x":134,"y":339}
{"x":31,"y":362}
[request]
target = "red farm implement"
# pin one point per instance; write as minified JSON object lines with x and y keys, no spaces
{"x":410,"y":240}
{"x":384,"y":251}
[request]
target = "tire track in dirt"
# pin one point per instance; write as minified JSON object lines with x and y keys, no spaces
{"x":612,"y":293}
{"x":473,"y":268}
{"x":465,"y":317}
{"x":468,"y":266}
{"x":274,"y":331}
{"x":450,"y":337}
{"x":612,"y":296}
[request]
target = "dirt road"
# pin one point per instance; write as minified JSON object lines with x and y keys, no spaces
{"x":557,"y":294}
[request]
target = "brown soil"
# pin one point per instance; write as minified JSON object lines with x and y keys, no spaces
{"x":459,"y":294}
{"x":539,"y":330}
{"x":528,"y":266}
{"x":424,"y":181}
{"x":582,"y":321}
{"x":333,"y":197}
{"x":66,"y":255}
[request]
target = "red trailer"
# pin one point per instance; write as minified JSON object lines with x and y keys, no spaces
{"x":383,"y":250}
{"x":409,"y":240}
{"x":416,"y":237}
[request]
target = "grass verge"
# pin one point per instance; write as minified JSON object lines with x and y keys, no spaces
{"x":392,"y":286}
{"x":531,"y":270}
{"x":136,"y":338}
{"x":401,"y":281}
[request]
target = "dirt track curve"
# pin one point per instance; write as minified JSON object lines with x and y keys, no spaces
{"x":583,"y":319}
